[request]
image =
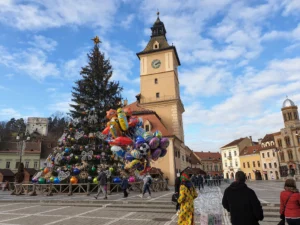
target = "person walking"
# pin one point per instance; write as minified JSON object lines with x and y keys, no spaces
{"x":102,"y":180}
{"x":124,"y":186}
{"x":187,"y":194}
{"x":147,"y":183}
{"x":201,"y":181}
{"x":177,"y":187}
{"x":290,"y":203}
{"x":242,"y":203}
{"x":6,"y":186}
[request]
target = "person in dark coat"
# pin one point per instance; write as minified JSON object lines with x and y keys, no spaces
{"x":124,"y":186}
{"x":177,"y":187}
{"x":201,"y":181}
{"x":102,"y":180}
{"x":242,"y":203}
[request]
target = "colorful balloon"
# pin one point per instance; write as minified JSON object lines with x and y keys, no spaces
{"x":121,"y":141}
{"x":46,"y":170}
{"x":106,"y":130}
{"x":76,"y":171}
{"x":139,"y":132}
{"x":111,"y":113}
{"x":154,"y":143}
{"x":115,"y":148}
{"x":56,"y":180}
{"x":148,"y":136}
{"x":51,"y":179}
{"x":42,"y":180}
{"x":164,"y":143}
{"x":129,"y":157}
{"x":122,"y":119}
{"x":117,"y":180}
{"x":158,"y":134}
{"x":133,"y":121}
{"x":135,"y":154}
{"x":163,"y":152}
{"x":131,"y":179}
{"x":156,"y":153}
{"x":114,"y":128}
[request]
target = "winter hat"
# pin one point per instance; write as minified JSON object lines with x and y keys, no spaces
{"x":184,"y":177}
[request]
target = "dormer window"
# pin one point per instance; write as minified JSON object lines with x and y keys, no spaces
{"x":156,"y":45}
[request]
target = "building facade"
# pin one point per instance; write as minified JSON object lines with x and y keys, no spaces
{"x":250,"y":162}
{"x":269,"y":158}
{"x":287,"y":141}
{"x":10,"y":155}
{"x":230,"y":156}
{"x":38,"y":125}
{"x":211,"y":162}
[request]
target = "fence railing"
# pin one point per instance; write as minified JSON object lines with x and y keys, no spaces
{"x":80,"y":188}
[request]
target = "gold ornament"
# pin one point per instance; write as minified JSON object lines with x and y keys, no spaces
{"x":83,"y":175}
{"x":96,"y":40}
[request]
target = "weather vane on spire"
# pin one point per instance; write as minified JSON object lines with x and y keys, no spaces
{"x":157,"y":13}
{"x":96,"y":40}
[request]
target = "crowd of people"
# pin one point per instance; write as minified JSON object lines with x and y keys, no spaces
{"x":238,"y":199}
{"x":209,"y":180}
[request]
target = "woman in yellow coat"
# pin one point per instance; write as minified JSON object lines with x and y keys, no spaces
{"x":187,"y":194}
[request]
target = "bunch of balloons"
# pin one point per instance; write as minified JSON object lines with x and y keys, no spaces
{"x":130,"y":142}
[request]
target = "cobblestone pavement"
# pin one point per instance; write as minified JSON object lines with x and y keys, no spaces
{"x":267,"y":191}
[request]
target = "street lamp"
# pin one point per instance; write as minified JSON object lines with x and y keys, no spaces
{"x":21,"y":144}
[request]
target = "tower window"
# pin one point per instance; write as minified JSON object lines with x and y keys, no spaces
{"x":157,"y":95}
{"x":287,"y":141}
{"x":290,"y":155}
{"x":147,"y":128}
{"x":284,"y":115}
{"x":155,"y":46}
{"x":290,"y":115}
{"x":295,"y":115}
{"x":279,"y":143}
{"x":155,"y":81}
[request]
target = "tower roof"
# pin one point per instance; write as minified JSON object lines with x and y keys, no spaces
{"x":288,"y":103}
{"x":158,"y":36}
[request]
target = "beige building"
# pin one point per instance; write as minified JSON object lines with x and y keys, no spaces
{"x":287,"y":141}
{"x":269,"y":158}
{"x":159,"y":102}
{"x":10,"y":155}
{"x":230,"y":156}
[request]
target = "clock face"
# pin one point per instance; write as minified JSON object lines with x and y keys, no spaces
{"x":156,"y":63}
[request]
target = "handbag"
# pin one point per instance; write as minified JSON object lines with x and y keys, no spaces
{"x":175,"y":198}
{"x":282,"y":216}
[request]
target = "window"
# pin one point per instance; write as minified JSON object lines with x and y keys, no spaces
{"x":290,"y":154}
{"x":234,"y":153}
{"x":27,"y":164}
{"x":7,"y":165}
{"x":281,"y":156}
{"x":230,"y":163}
{"x":183,"y":158}
{"x":270,"y":165}
{"x":295,"y":115}
{"x":265,"y":165}
{"x":263,"y":155}
{"x":258,"y":163}
{"x":248,"y":164}
{"x":287,"y":141}
{"x":244,"y":165}
{"x":157,"y":95}
{"x":147,"y":128}
{"x":155,"y":81}
{"x":207,"y":167}
{"x":17,"y":165}
{"x":216,"y":167}
{"x":236,"y":164}
{"x":253,"y":164}
{"x":225,"y":164}
{"x":279,"y":142}
{"x":273,"y":154}
{"x":229,"y":154}
{"x":225,"y":155}
{"x":290,"y":116}
{"x":268,"y":154}
{"x":155,"y":46}
{"x":284,"y":116}
{"x":275,"y":165}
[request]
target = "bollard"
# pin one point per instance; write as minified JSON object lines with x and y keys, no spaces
{"x":50,"y":190}
{"x":70,"y":190}
{"x":88,"y":189}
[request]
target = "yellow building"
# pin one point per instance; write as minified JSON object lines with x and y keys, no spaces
{"x":159,"y":101}
{"x":10,"y":155}
{"x":251,"y":163}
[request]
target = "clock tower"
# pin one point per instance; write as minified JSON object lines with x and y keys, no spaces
{"x":159,"y":87}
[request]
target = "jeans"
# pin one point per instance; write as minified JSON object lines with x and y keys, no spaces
{"x":201,"y":185}
{"x":125,"y":193}
{"x":293,"y":221}
{"x":147,"y":188}
{"x":103,"y":189}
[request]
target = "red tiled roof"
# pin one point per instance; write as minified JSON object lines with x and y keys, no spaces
{"x":195,"y":159}
{"x":250,"y":150}
{"x":233,"y":143}
{"x":151,"y":116}
{"x":267,"y":138}
{"x":208,"y":155}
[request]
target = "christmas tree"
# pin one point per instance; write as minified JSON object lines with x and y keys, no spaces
{"x":83,"y":150}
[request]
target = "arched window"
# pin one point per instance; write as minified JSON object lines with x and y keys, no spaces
{"x":287,"y":141}
{"x":290,"y":116}
{"x":275,"y":165}
{"x":224,"y":154}
{"x":290,"y":154}
{"x":284,"y":117}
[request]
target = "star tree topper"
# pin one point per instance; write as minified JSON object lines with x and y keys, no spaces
{"x":96,"y":40}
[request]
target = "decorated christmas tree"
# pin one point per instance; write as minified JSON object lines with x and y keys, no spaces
{"x":82,"y":150}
